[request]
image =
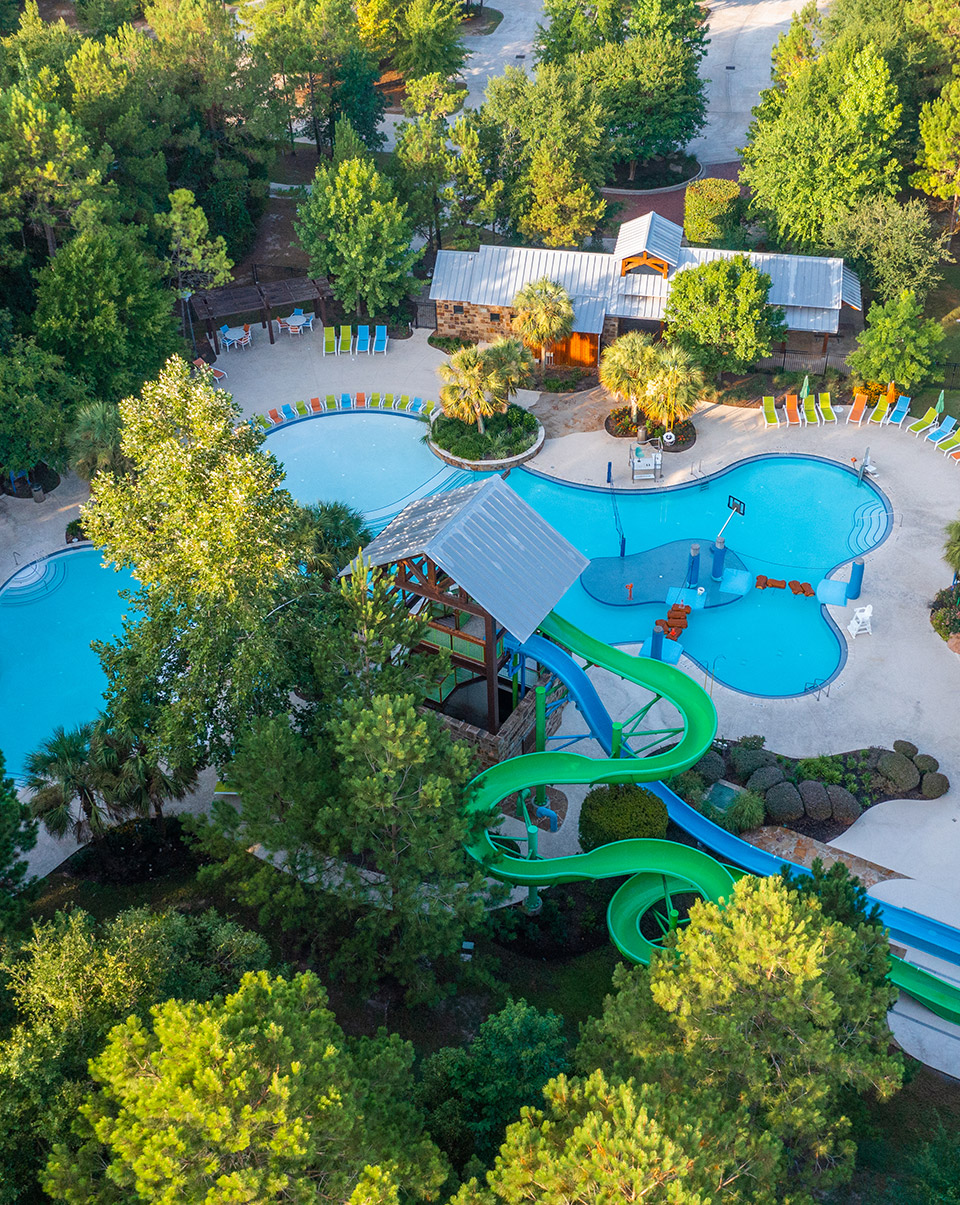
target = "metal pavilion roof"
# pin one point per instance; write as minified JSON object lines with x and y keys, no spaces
{"x":493,"y":544}
{"x":811,"y":289}
{"x":653,"y":234}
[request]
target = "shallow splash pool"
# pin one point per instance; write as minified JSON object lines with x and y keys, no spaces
{"x":374,"y":461}
{"x":49,"y":676}
{"x":804,"y":517}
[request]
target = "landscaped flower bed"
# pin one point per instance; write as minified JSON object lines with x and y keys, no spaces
{"x":620,"y":423}
{"x":505,"y":435}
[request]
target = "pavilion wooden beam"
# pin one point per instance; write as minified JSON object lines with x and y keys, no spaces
{"x":645,"y":261}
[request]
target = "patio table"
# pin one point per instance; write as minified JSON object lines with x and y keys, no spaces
{"x":297,"y":320}
{"x":235,"y":334}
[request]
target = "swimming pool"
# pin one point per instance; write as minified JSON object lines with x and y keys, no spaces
{"x":49,"y":676}
{"x":804,"y":516}
{"x":375,"y":462}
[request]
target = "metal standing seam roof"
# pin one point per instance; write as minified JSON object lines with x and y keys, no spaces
{"x":493,"y":544}
{"x":452,"y":275}
{"x":850,"y":289}
{"x":656,"y":235}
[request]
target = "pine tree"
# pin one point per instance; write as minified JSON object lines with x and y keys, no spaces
{"x":18,"y":835}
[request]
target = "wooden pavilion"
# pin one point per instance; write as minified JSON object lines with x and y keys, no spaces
{"x":213,"y":305}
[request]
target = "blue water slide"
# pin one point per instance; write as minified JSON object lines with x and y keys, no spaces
{"x":906,"y":927}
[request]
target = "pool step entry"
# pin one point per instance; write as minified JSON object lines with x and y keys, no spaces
{"x":869,"y":524}
{"x":33,"y":582}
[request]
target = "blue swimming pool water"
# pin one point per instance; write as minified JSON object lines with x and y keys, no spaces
{"x":804,"y":516}
{"x":49,"y":675}
{"x":375,"y":462}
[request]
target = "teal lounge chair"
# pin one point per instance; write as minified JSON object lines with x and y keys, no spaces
{"x":943,"y":432}
{"x":899,"y":412}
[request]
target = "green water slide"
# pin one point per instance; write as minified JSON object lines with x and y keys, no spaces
{"x":658,"y":869}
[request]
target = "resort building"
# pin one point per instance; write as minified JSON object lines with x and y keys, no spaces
{"x":626,"y":289}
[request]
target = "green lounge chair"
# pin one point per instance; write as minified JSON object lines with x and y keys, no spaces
{"x":302,"y":409}
{"x":404,"y":402}
{"x":329,"y":340}
{"x":880,"y":410}
{"x":810,"y":415}
{"x":949,"y":444}
{"x":375,"y":401}
{"x":428,"y":408}
{"x":388,"y":402}
{"x":826,"y":410}
{"x":924,"y":424}
{"x":770,"y":416}
{"x":331,"y":402}
{"x":263,"y":422}
{"x":346,"y":340}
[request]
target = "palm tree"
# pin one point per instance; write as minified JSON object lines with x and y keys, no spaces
{"x":543,"y":315}
{"x":473,"y":390}
{"x":951,"y":549}
{"x":132,"y":776}
{"x":94,"y":441}
{"x":68,"y":768}
{"x":675,"y":388}
{"x":627,"y":366}
{"x":324,"y":536}
{"x":510,"y":358}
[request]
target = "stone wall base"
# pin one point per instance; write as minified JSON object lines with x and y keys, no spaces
{"x":517,"y":733}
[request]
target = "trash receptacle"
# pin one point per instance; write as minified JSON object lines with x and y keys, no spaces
{"x":38,"y":494}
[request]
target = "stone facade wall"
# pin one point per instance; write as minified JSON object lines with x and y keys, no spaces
{"x":611,"y":330}
{"x":475,"y":321}
{"x":517,"y":733}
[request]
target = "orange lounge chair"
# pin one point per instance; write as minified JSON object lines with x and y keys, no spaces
{"x":777,"y":584}
{"x":793,"y":411}
{"x":316,"y":405}
{"x":360,"y":400}
{"x":276,"y":416}
{"x":955,"y":456}
{"x":858,"y":409}
{"x":761,"y":582}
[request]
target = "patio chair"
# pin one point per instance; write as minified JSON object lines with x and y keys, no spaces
{"x":388,"y":402}
{"x":955,"y":456}
{"x":346,"y":340}
{"x":360,"y":401}
{"x":811,"y":416}
{"x":428,"y":408}
{"x":330,"y":402}
{"x":329,"y":340}
{"x":346,"y":402}
{"x":380,"y":340}
{"x":306,"y":321}
{"x":262,"y":423}
{"x":297,"y":313}
{"x":899,"y":412}
{"x":856,"y":412}
{"x":880,"y":410}
{"x":302,"y":409}
{"x":315,"y":405}
{"x":404,"y":403}
{"x":826,"y":409}
{"x":288,"y":411}
{"x":282,"y":324}
{"x":943,"y":432}
{"x":416,"y":405}
{"x":217,"y":373}
{"x":924,"y":424}
{"x":363,"y":339}
{"x":276,"y":416}
{"x":793,"y":411}
{"x":376,"y":401}
{"x":770,"y":416}
{"x":949,"y":444}
{"x":225,"y":337}
{"x":246,"y":338}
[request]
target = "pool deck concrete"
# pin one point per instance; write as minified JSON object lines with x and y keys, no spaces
{"x":900,"y":682}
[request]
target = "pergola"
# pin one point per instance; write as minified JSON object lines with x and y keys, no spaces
{"x":210,"y":305}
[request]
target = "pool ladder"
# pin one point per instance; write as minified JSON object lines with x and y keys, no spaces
{"x":818,"y":685}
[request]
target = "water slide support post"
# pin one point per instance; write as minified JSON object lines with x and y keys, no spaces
{"x":855,"y":585}
{"x":656,"y":644}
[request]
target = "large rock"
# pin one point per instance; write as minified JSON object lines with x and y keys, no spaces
{"x":845,"y":807}
{"x":907,"y":748}
{"x":763,"y":779}
{"x":711,"y":766}
{"x":898,"y":770}
{"x":783,"y":803}
{"x":925,"y":763}
{"x":816,"y":801}
{"x":934,"y":785}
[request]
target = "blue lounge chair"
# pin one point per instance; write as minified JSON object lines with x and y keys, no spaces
{"x":288,"y":411}
{"x":363,"y":339}
{"x":346,"y":401}
{"x":415,"y":405}
{"x":899,"y":412}
{"x":941,"y":432}
{"x":380,"y":340}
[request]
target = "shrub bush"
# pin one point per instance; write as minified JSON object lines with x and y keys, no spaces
{"x":506,"y":434}
{"x":933,"y":785}
{"x":622,"y":423}
{"x":712,"y":211}
{"x":746,"y":812}
{"x":691,"y":786}
{"x":747,"y":761}
{"x":450,"y":343}
{"x":820,"y":769}
{"x":945,"y":622}
{"x":616,"y":813}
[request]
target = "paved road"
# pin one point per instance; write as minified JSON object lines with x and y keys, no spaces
{"x":742,"y":35}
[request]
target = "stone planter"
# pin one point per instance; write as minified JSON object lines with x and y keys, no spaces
{"x":489,"y":466}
